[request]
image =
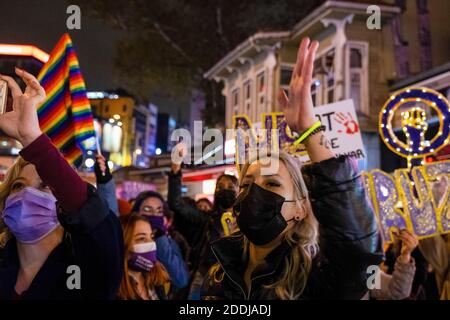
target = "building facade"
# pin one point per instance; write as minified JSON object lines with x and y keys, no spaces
{"x":352,"y":62}
{"x":126,"y":130}
{"x":166,"y":125}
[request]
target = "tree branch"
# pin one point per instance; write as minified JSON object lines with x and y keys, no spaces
{"x":220,"y":27}
{"x":172,"y":43}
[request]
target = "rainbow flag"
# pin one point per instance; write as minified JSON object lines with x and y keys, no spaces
{"x":66,"y":115}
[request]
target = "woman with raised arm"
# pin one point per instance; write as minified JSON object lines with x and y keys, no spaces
{"x":63,"y":241}
{"x":297,"y":242}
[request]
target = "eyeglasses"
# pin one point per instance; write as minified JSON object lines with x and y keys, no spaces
{"x":152,"y":211}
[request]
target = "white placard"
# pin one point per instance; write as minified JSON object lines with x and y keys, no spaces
{"x":342,"y":128}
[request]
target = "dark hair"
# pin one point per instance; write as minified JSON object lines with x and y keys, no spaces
{"x":168,"y":213}
{"x":189,"y":201}
{"x":204,"y":200}
{"x":232,"y":178}
{"x":144,"y":196}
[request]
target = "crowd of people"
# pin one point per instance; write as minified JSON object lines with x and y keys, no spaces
{"x":302,"y":232}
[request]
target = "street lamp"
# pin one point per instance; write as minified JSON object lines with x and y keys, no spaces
{"x":89,"y":162}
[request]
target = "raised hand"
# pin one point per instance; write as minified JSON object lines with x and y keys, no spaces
{"x":101,"y":161}
{"x":409,"y":243}
{"x":179,"y":152}
{"x":22,"y":123}
{"x":298,"y":106}
{"x":101,"y":169}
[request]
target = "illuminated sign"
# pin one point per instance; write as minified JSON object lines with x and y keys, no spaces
{"x":416,"y":198}
{"x":23,"y":50}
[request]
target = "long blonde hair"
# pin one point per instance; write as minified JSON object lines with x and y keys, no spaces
{"x":5,"y":189}
{"x":302,"y":238}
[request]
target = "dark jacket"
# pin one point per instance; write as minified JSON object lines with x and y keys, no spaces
{"x":349,"y":243}
{"x":93,"y":241}
{"x":197,"y":227}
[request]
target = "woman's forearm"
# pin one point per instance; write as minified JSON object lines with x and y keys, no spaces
{"x":67,"y":186}
{"x":317,"y":148}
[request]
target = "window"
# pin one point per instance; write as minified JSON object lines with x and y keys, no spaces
{"x":323,"y":87}
{"x":285,"y":76}
{"x":357,"y":78}
{"x":247,"y":97}
{"x":261,"y":92}
{"x":235,"y":101}
{"x":328,"y":63}
{"x":330,"y":90}
{"x":314,"y":92}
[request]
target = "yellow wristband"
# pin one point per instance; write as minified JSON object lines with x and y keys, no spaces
{"x":306,"y":134}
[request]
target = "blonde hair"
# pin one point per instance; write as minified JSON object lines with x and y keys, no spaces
{"x":302,"y":238}
{"x":5,"y":189}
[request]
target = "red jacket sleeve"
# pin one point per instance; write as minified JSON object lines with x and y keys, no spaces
{"x":68,"y":188}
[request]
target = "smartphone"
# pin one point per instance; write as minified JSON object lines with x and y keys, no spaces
{"x":6,"y":99}
{"x":3,"y":96}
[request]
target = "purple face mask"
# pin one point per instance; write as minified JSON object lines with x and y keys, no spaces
{"x":143,"y":257}
{"x":30,"y":214}
{"x":157,"y":222}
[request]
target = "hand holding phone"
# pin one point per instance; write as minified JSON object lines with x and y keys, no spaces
{"x":22,"y":122}
{"x":3,"y":96}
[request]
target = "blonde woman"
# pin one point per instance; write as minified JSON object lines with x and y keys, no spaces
{"x":297,"y":243}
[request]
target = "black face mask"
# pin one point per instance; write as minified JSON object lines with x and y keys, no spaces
{"x":258,"y":214}
{"x":224,"y":199}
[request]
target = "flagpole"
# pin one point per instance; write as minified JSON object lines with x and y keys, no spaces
{"x":99,"y":151}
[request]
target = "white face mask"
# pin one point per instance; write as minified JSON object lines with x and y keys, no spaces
{"x":143,"y":257}
{"x":144,"y":247}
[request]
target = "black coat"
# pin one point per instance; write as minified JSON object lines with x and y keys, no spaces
{"x":197,"y":227}
{"x":348,"y":241}
{"x":93,"y":240}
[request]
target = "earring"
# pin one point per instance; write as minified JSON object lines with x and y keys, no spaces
{"x":297,"y":218}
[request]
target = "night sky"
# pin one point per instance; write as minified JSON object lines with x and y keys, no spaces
{"x":42,"y":22}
